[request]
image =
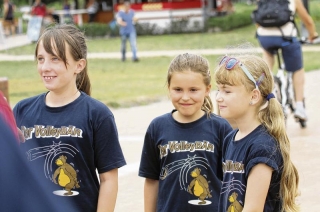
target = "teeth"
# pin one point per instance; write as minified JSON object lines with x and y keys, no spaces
{"x":48,"y":78}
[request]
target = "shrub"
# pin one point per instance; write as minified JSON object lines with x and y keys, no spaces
{"x":95,"y":29}
{"x":231,"y":21}
{"x":146,"y":29}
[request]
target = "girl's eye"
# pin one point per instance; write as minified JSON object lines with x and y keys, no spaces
{"x":193,"y":90}
{"x":55,"y":59}
{"x":40,"y":59}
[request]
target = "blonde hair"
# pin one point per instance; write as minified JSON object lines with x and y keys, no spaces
{"x":271,"y":117}
{"x":197,"y":64}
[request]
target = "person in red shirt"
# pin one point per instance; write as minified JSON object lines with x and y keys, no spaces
{"x":7,"y":115}
{"x":39,"y":9}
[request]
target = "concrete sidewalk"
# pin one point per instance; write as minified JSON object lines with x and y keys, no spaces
{"x":14,"y":41}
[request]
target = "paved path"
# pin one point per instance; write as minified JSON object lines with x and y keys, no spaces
{"x":132,"y":123}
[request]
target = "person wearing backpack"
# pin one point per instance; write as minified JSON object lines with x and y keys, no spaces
{"x":277,"y":30}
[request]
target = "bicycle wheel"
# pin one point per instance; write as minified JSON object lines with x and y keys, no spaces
{"x":277,"y":88}
{"x":290,"y":93}
{"x":278,"y":94}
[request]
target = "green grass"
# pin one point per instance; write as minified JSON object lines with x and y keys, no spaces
{"x":120,"y":84}
{"x":115,"y":83}
{"x":168,"y":42}
{"x":164,"y":42}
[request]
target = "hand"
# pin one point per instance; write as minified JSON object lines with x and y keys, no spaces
{"x":313,"y":37}
{"x":21,"y":136}
{"x":123,"y":23}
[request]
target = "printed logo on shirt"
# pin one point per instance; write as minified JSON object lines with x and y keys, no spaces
{"x":56,"y":166}
{"x":192,"y":178}
{"x":230,"y":166}
{"x":232,"y":193}
{"x":41,"y":131}
{"x":234,"y":204}
{"x":185,"y":146}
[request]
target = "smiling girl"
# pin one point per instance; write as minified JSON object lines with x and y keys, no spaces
{"x":181,"y":156}
{"x":70,"y":135}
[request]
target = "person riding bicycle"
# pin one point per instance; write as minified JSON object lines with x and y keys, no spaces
{"x":272,"y":38}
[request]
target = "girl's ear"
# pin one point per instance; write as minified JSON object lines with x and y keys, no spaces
{"x":81,"y":64}
{"x":208,"y":89}
{"x":255,"y":96}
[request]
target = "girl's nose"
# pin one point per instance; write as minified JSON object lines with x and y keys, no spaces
{"x":45,"y":66}
{"x":218,"y":97}
{"x":185,"y":96}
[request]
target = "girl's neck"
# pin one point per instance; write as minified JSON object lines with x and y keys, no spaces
{"x":246,"y":127}
{"x":54,"y":99}
{"x":186,"y":119}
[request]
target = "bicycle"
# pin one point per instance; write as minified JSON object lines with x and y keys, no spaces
{"x":283,"y":87}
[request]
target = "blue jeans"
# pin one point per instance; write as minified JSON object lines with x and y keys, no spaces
{"x":133,"y":43}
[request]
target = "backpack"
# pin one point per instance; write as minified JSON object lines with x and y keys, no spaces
{"x":272,"y":13}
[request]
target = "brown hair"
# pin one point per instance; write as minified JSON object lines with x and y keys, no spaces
{"x":271,"y":117}
{"x":197,"y":64}
{"x":55,"y":38}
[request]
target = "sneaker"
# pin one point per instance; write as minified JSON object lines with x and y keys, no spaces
{"x":300,"y":113}
{"x":135,"y":60}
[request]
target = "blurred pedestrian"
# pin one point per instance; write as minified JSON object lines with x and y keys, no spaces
{"x":92,"y":9}
{"x":8,"y":17}
{"x":127,"y":20}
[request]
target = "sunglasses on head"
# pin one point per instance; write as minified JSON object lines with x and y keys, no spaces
{"x":230,"y":62}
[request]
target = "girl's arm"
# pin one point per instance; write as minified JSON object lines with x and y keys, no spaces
{"x":108,"y":191}
{"x":257,"y":188}
{"x":151,"y":188}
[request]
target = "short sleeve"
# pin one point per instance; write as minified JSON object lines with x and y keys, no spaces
{"x":264,"y":152}
{"x":108,"y":153}
{"x":150,"y":162}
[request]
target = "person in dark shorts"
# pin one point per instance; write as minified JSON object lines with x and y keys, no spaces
{"x":271,"y":39}
{"x":8,"y":16}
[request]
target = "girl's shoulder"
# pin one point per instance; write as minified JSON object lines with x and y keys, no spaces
{"x":93,"y":104}
{"x":261,"y":137}
{"x":31,"y":101}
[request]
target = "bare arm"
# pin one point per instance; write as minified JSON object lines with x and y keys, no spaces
{"x":257,"y":188}
{"x":108,"y":191}
{"x":134,"y":19}
{"x":120,"y":21}
{"x":306,"y":19}
{"x":5,"y":9}
{"x":151,"y":188}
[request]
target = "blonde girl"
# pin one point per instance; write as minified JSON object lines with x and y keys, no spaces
{"x":181,"y":156}
{"x":258,"y":172}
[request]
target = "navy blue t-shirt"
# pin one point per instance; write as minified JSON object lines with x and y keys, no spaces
{"x":186,"y":159}
{"x":239,"y":157}
{"x":66,"y":145}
